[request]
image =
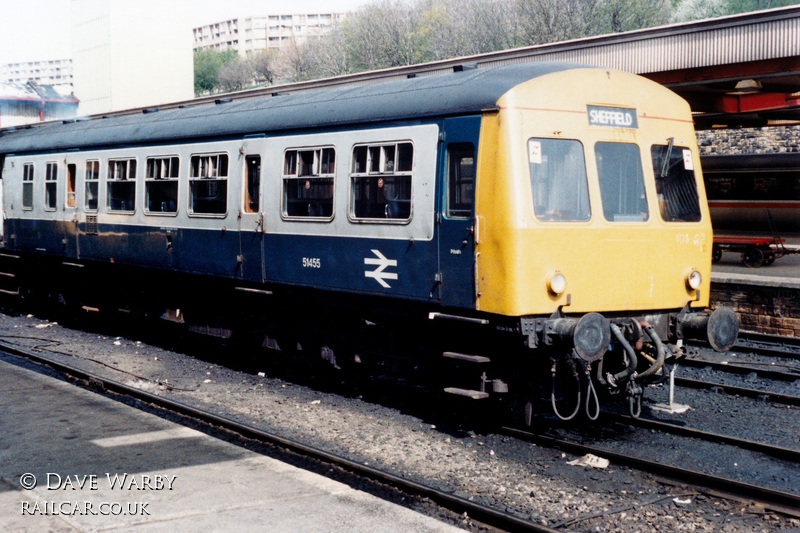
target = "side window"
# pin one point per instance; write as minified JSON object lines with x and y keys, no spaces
{"x":380,"y":182}
{"x":27,"y":186}
{"x":252,"y":183}
{"x":92,"y":180}
{"x":460,"y":180}
{"x":72,"y":171}
{"x":558,"y":180}
{"x":619,"y":169}
{"x":208,"y":185}
{"x":51,"y":186}
{"x":676,"y":184}
{"x":161,"y":185}
{"x":121,"y":184}
{"x":308,"y":183}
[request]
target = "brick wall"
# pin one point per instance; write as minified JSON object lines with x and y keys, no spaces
{"x":767,"y":140}
{"x":771,"y":307}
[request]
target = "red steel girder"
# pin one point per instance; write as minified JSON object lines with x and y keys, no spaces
{"x":733,"y":71}
{"x":751,"y":102}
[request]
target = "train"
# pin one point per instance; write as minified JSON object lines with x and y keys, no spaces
{"x":535,"y":231}
{"x":745,"y":191}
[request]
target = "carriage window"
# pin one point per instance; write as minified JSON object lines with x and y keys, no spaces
{"x":161,"y":185}
{"x":252,"y":165}
{"x":208,"y":184}
{"x":308,"y":183}
{"x":51,"y":186}
{"x":619,"y":169}
{"x":121,"y":183}
{"x":381,"y":182}
{"x":460,"y":180}
{"x":558,"y":180}
{"x":27,"y":186}
{"x":676,"y":186}
{"x":72,"y":171}
{"x":92,"y":179}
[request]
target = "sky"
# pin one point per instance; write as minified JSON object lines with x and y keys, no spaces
{"x":39,"y":30}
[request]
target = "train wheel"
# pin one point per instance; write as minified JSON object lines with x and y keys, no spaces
{"x":770,"y":258}
{"x":716,"y":254}
{"x":753,"y":258}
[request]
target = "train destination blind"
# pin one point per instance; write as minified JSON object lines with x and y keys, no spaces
{"x":615,"y":117}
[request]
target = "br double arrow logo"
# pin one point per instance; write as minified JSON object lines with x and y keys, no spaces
{"x":382,"y":262}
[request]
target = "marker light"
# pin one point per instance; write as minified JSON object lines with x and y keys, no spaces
{"x":694,"y":279}
{"x":557,"y":283}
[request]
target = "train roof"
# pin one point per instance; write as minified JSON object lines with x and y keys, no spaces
{"x":460,"y":92}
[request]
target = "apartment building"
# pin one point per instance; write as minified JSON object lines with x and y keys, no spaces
{"x":51,"y":72}
{"x":249,"y":34}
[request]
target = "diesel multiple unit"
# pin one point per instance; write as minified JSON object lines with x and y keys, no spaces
{"x":528,"y":221}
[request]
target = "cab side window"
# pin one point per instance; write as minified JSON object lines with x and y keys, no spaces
{"x":460,"y":180}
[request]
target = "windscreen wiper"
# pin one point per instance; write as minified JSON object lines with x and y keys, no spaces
{"x":665,"y":164}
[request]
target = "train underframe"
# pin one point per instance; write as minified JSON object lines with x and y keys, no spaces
{"x":570,"y":363}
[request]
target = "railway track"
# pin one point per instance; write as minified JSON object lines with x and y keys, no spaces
{"x":481,"y":513}
{"x":781,"y":501}
{"x":765,"y":370}
{"x":754,"y":357}
{"x":758,"y":394}
{"x":762,"y":344}
{"x":457,"y":501}
{"x":779,"y":452}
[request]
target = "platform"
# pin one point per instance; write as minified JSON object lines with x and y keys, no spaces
{"x":783,"y":270}
{"x":766,"y":299}
{"x":99,"y":465}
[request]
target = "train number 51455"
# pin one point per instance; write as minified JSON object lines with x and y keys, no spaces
{"x":312,"y":262}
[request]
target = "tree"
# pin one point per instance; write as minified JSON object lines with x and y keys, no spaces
{"x":699,"y":9}
{"x":380,"y":35}
{"x":262,"y":65}
{"x":687,"y":10}
{"x":207,"y":64}
{"x":745,"y":6}
{"x":235,"y":75}
{"x":297,"y":62}
{"x":548,"y":21}
{"x":616,"y":16}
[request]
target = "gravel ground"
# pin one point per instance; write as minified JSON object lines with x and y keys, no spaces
{"x":439,"y":446}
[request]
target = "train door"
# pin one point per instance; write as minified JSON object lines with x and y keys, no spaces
{"x":251,"y":211}
{"x":458,"y":160}
{"x":67,"y":215}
